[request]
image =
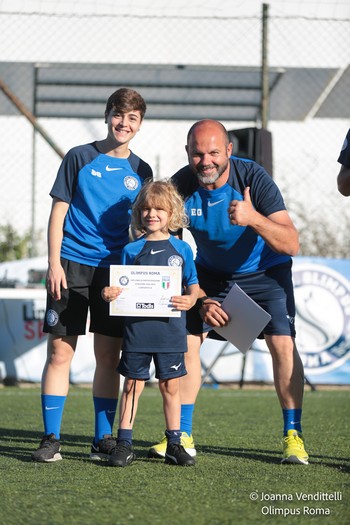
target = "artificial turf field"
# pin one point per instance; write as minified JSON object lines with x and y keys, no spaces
{"x":238,"y":478}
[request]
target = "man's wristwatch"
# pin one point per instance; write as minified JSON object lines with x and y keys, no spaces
{"x":200,"y":301}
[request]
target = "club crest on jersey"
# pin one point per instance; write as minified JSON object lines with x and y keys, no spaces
{"x":322,"y":297}
{"x":131,"y":183}
{"x":175,"y":260}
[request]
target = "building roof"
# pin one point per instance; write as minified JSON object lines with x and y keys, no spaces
{"x":177,"y":92}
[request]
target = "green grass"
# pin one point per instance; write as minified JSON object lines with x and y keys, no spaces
{"x":237,"y":436}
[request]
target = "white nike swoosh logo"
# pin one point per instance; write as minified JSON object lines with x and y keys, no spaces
{"x":112,"y":169}
{"x":51,"y":408}
{"x":214,"y":203}
{"x":176,"y":367}
{"x":294,"y":422}
{"x":153,"y":252}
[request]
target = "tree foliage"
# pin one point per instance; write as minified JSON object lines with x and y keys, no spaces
{"x":13,"y":246}
{"x":321,"y":235}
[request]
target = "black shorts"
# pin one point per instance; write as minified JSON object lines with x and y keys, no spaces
{"x":68,"y":316}
{"x":136,"y":365}
{"x":271,"y":289}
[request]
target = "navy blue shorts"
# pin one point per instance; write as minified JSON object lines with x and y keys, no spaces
{"x":136,"y":365}
{"x":68,"y":316}
{"x":271,"y":289}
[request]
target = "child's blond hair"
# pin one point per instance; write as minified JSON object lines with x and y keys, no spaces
{"x":161,"y":195}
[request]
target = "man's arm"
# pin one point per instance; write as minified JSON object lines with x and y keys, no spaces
{"x":343,"y":181}
{"x":277,"y":230}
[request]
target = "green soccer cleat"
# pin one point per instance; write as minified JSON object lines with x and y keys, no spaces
{"x":293,"y":448}
{"x":158,"y":450}
{"x":188,"y":444}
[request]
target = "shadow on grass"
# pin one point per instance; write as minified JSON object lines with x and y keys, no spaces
{"x":272,"y":456}
{"x":11,"y":446}
{"x":265,"y":456}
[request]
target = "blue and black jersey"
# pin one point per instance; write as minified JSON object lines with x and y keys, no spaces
{"x":158,"y":334}
{"x":221,"y":246}
{"x":100,"y":190}
{"x":344,"y":157}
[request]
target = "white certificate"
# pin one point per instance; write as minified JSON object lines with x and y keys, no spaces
{"x":146,"y":290}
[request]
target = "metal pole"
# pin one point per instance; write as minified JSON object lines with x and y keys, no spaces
{"x":33,"y":247}
{"x":264,"y":69}
{"x":29,"y":115}
{"x":36,"y":128}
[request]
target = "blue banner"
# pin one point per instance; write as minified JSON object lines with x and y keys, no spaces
{"x":322,"y":296}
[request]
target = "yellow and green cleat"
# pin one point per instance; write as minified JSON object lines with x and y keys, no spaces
{"x":158,"y":450}
{"x":293,"y":448}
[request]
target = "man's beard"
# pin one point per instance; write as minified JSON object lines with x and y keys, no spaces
{"x":212,"y":178}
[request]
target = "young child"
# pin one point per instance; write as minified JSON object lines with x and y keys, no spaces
{"x":157,"y":209}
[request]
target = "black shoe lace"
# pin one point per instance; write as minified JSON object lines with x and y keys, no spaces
{"x":47,"y":441}
{"x":108,"y":444}
{"x":121,"y":447}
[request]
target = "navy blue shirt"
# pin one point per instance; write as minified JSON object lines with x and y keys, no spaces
{"x":158,"y":334}
{"x":344,"y":157}
{"x":100,"y":190}
{"x":221,"y":246}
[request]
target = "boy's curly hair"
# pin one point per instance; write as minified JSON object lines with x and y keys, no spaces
{"x":162,"y":195}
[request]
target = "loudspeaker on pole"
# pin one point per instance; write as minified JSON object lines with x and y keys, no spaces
{"x":254,"y":144}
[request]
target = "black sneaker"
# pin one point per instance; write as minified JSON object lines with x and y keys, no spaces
{"x":48,"y":451}
{"x":176,"y":455}
{"x":121,"y":456}
{"x":103,"y":448}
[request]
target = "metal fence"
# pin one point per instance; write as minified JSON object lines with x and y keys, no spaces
{"x":309,"y":105}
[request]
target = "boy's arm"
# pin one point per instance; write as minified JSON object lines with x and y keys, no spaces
{"x":55,"y":274}
{"x":186,"y":301}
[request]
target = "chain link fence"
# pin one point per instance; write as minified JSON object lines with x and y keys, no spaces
{"x":308,"y":120}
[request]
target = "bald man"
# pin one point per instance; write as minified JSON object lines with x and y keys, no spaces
{"x":243,"y":235}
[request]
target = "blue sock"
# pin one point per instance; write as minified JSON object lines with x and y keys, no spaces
{"x":186,"y":418}
{"x":125,"y":436}
{"x":105,"y":410}
{"x":292,"y":419}
{"x":52,"y":410}
{"x":173,"y":436}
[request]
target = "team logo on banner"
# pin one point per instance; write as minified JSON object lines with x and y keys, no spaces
{"x":322,"y":298}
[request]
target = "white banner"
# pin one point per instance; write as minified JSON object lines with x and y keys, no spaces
{"x":322,"y":296}
{"x":23,"y":343}
{"x":322,"y":293}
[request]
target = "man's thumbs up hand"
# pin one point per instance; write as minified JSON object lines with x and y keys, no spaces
{"x":240,"y":212}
